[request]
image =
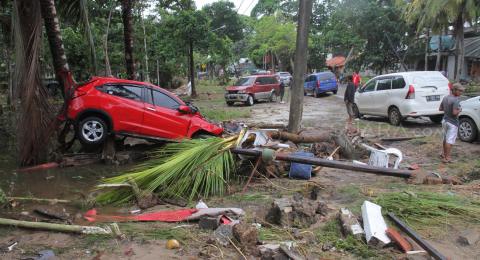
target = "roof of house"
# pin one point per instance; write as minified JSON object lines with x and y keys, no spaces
{"x":472,"y":47}
{"x":338,"y":61}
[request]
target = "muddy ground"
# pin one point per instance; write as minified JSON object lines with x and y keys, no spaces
{"x":338,"y":188}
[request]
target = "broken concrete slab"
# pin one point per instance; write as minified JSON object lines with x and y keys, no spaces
{"x":469,"y":237}
{"x":211,"y":223}
{"x":374,"y":224}
{"x":271,"y":252}
{"x":223,"y":234}
{"x":350,"y":225}
{"x":296,"y":212}
{"x":246,"y":235}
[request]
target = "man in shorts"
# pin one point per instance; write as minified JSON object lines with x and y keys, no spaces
{"x":349,"y":99}
{"x":451,"y":107}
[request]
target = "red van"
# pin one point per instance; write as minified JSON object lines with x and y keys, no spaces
{"x":253,"y":88}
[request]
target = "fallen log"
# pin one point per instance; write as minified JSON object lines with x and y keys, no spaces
{"x":295,"y":138}
{"x":91,"y":230}
{"x":267,"y":126}
{"x":51,"y":201}
{"x":406,"y":138}
{"x":327,"y":163}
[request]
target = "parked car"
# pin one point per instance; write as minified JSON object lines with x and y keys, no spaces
{"x":253,"y":88}
{"x":401,"y":95}
{"x":259,"y":72}
{"x":469,"y":120}
{"x":319,"y":83}
{"x":131,"y":108}
{"x":285,"y":77}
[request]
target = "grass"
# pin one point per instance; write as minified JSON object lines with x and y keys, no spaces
{"x":257,"y":197}
{"x":274,"y":234}
{"x":330,"y":234}
{"x":155,"y":233}
{"x":218,"y":113}
{"x":425,"y":210}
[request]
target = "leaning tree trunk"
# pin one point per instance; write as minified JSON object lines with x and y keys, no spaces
{"x":460,"y":45}
{"x":192,"y":68}
{"x":108,"y":68}
{"x":296,"y":104}
{"x":127,"y":6}
{"x":60,"y":64}
{"x":35,"y":112}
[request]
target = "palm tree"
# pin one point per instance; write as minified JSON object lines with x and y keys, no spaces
{"x":127,"y":6}
{"x":441,"y":14}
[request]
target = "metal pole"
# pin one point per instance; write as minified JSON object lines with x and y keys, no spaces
{"x":432,"y":251}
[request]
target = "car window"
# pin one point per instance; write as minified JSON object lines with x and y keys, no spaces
{"x":124,"y":91}
{"x":370,"y":86}
{"x":263,"y":80}
{"x":162,"y":100}
{"x":244,"y":81}
{"x":273,"y":80}
{"x":398,"y":83}
{"x":384,"y":84}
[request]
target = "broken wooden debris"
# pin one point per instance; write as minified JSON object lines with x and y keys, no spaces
{"x":91,"y":230}
{"x":424,"y":244}
{"x":328,"y":163}
{"x":350,"y":225}
{"x":39,"y":200}
{"x":295,"y":138}
{"x":399,"y":240}
{"x":374,"y":224}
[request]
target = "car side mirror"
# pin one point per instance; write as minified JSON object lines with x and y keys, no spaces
{"x":257,"y":82}
{"x":185,"y":109}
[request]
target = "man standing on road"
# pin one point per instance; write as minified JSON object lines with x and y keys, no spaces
{"x":282,"y":91}
{"x":451,"y":107}
{"x":349,"y":99}
{"x":356,"y":79}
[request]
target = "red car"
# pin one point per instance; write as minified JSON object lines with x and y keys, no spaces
{"x":252,"y":88}
{"x":131,"y":108}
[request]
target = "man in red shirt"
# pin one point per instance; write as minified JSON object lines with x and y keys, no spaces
{"x":356,"y":79}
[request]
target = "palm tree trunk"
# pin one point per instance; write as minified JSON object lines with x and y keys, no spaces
{"x":192,"y":68}
{"x":147,"y":73}
{"x":36,"y":115}
{"x":108,"y":69}
{"x":88,"y":31}
{"x":439,"y":53}
{"x":60,"y":64}
{"x":426,"y":49}
{"x":460,"y":44}
{"x":127,"y":6}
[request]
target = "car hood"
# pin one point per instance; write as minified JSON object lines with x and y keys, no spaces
{"x":471,"y":102}
{"x":236,"y":88}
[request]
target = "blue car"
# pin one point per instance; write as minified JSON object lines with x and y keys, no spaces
{"x":319,"y":83}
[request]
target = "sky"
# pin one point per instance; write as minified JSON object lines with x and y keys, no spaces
{"x":243,"y":6}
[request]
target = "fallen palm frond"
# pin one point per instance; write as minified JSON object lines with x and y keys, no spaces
{"x":427,"y":209}
{"x":191,"y":168}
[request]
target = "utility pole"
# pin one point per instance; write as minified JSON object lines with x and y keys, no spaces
{"x":300,"y":66}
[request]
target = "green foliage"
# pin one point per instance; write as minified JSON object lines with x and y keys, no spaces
{"x":191,"y":168}
{"x":225,"y":21}
{"x":422,"y":210}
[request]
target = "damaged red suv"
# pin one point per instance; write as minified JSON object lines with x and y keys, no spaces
{"x":136,"y":109}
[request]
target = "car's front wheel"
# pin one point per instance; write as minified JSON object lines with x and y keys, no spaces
{"x":229,"y":103}
{"x":92,"y":131}
{"x":249,"y":101}
{"x":335,"y":91}
{"x":394,"y":116}
{"x":467,"y":130}
{"x":356,"y":112}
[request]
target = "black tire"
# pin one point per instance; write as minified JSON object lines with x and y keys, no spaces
{"x":304,"y":93}
{"x":437,"y":119}
{"x":272,"y":97}
{"x":394,"y":116}
{"x":356,"y":112}
{"x":249,"y":101}
{"x":467,"y":130}
{"x":92,"y":131}
{"x":335,"y":91}
{"x":229,"y":103}
{"x":315,"y":93}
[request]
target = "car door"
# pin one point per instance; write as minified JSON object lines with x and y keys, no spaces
{"x":364,"y":97}
{"x":162,"y":118}
{"x":309,"y":83}
{"x":125,"y":106}
{"x":381,"y":96}
{"x":258,"y":88}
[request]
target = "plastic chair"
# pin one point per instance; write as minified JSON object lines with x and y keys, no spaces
{"x":381,"y":158}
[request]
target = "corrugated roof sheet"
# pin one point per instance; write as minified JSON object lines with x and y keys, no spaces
{"x":337,"y":61}
{"x":472,"y":47}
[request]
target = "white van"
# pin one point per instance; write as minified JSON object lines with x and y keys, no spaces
{"x":401,"y":95}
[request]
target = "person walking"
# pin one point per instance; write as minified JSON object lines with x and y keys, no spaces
{"x":357,"y":80}
{"x":282,"y":91}
{"x":451,"y":107}
{"x":349,"y":99}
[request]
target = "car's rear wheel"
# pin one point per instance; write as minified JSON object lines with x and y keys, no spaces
{"x":229,"y":103}
{"x":272,"y":96}
{"x":335,"y":91}
{"x":394,"y":116}
{"x":249,"y":101}
{"x":467,"y":130}
{"x":92,"y":131}
{"x":436,"y":118}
